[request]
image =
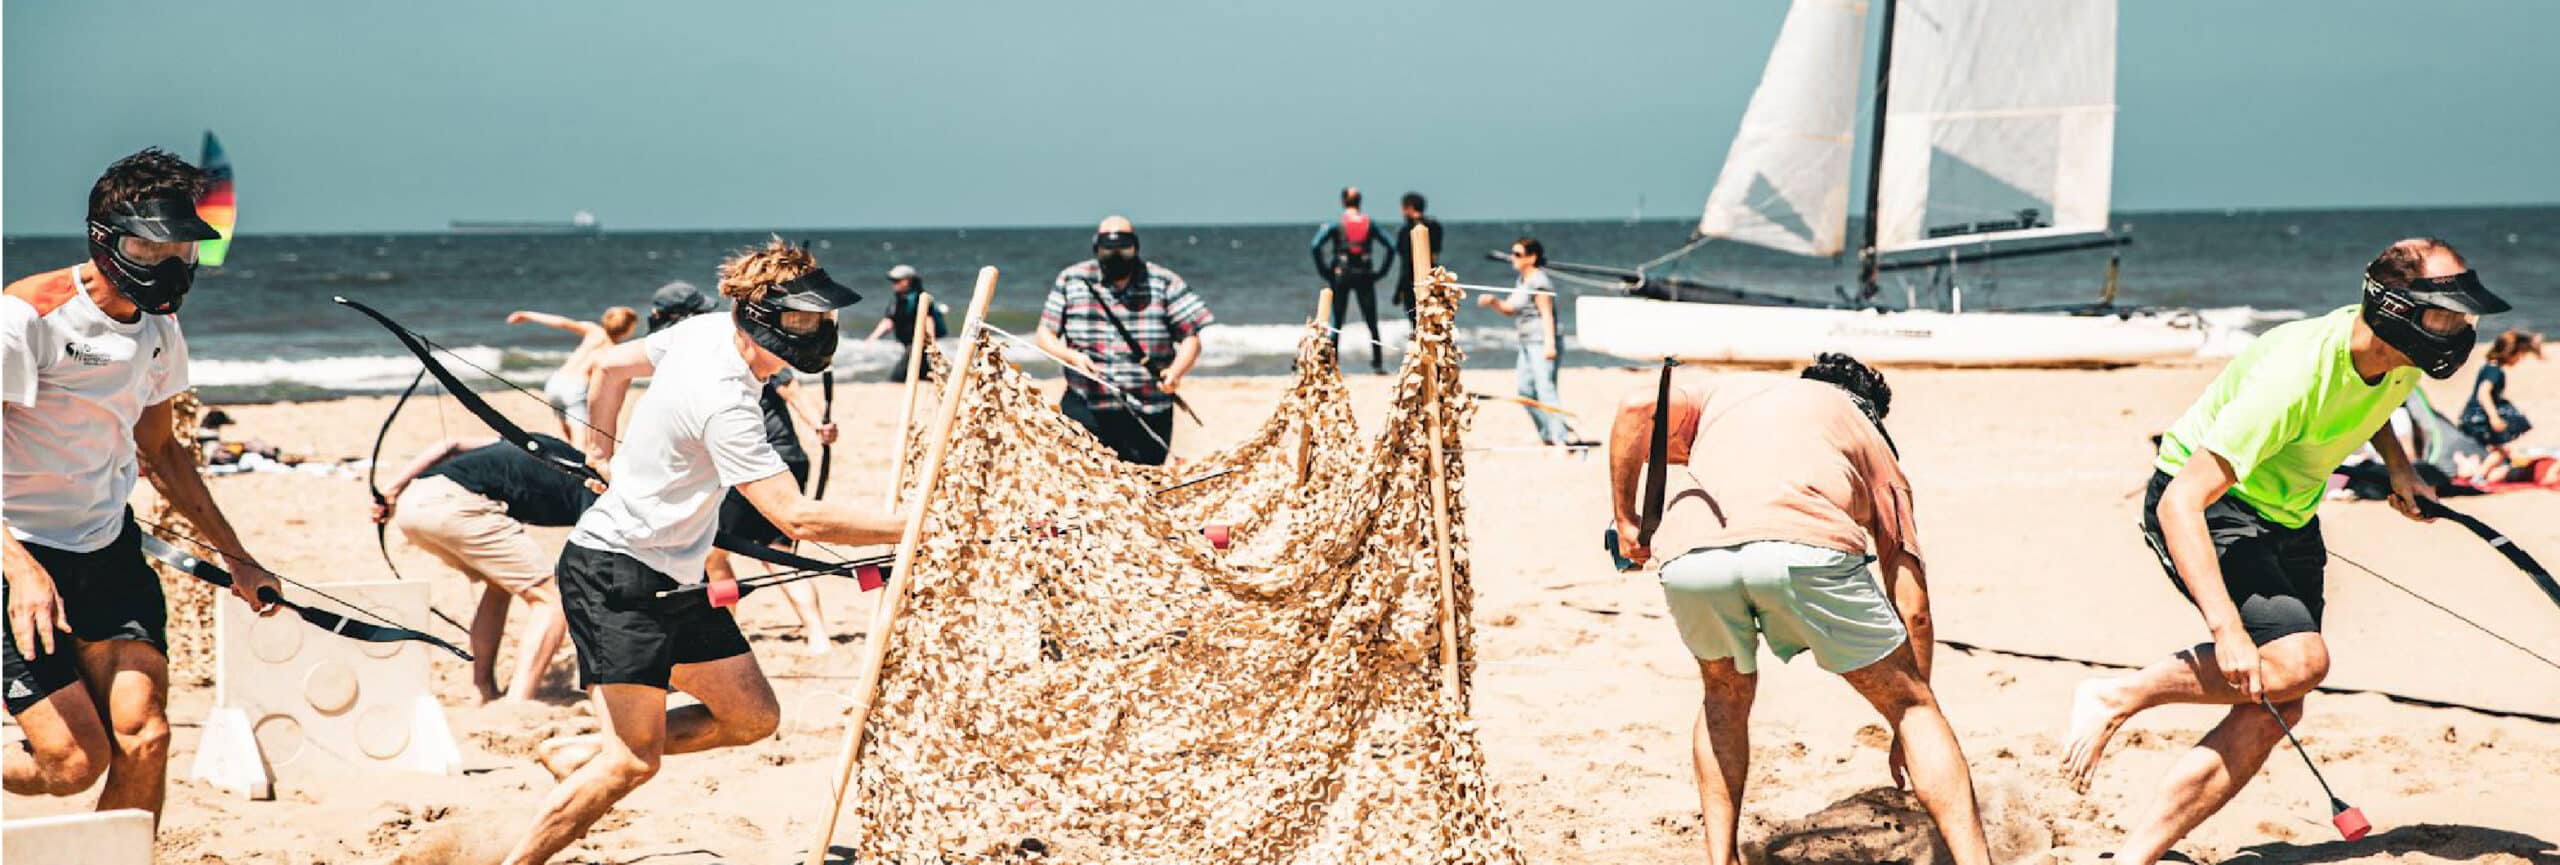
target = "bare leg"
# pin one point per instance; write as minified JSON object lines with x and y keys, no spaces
{"x":65,"y":748}
{"x":737,"y":708}
{"x":488,"y":626}
{"x":803,"y":597}
{"x":2206,"y":778}
{"x":635,"y":719}
{"x":134,"y":676}
{"x":542,"y":607}
{"x":1936,"y":761}
{"x":2289,"y":667}
{"x":1720,"y":754}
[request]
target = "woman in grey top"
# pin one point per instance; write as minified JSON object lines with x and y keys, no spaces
{"x":1532,"y":306}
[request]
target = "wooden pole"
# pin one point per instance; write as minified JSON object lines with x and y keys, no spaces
{"x":907,"y":405}
{"x":1420,"y":244}
{"x":1324,"y":305}
{"x":1306,"y":435}
{"x":893,"y":598}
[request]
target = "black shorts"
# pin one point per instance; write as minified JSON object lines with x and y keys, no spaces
{"x":739,"y":517}
{"x":109,"y":594}
{"x":625,"y":634}
{"x":2273,"y":574}
{"x":1135,"y":437}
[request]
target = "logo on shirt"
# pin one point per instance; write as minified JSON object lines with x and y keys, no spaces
{"x":88,"y":355}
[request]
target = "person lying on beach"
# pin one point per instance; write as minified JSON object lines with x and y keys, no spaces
{"x":468,"y":501}
{"x":696,"y":431}
{"x":567,"y":386}
{"x":2231,"y":514}
{"x":91,"y":360}
{"x":1789,"y":483}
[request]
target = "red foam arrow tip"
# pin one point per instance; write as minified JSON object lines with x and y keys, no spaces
{"x":2351,"y":823}
{"x":723,"y":593}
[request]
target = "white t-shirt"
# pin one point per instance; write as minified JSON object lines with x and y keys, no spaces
{"x":72,"y":384}
{"x":695,"y":433}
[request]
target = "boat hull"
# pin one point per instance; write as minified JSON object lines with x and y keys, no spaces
{"x":1642,"y":329}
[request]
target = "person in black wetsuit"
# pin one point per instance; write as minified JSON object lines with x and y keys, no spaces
{"x":781,"y":399}
{"x":906,"y":288}
{"x":1413,"y":216}
{"x":1350,"y":254}
{"x":467,"y":501}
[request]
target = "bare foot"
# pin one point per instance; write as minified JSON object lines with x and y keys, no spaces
{"x":489,"y":692}
{"x":564,"y":755}
{"x":2098,"y":707}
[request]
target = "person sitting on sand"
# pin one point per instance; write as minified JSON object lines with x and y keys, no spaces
{"x":1532,"y":306}
{"x":468,"y":501}
{"x":567,"y":387}
{"x":91,"y":360}
{"x":2230,"y":513}
{"x":696,"y":431}
{"x":1791,"y":481}
{"x":1128,"y":330}
{"x":2489,"y":417}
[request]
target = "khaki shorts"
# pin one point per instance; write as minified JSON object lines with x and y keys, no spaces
{"x":1725,"y":599}
{"x":471,"y":533}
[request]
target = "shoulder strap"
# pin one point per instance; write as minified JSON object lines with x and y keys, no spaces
{"x":1099,"y":300}
{"x":1657,"y":463}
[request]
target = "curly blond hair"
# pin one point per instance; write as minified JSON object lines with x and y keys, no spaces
{"x":747,"y":275}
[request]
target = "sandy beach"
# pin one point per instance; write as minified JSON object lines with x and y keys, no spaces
{"x":2027,"y":485}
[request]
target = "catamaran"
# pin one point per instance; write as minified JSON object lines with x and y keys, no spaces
{"x":216,"y":207}
{"x":1994,"y":124}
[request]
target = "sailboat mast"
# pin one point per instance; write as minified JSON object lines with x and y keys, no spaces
{"x":1875,"y":157}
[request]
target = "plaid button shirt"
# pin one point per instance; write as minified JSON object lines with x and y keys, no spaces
{"x":1161,"y":318}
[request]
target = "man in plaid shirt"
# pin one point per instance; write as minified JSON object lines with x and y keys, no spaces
{"x":1117,"y":320}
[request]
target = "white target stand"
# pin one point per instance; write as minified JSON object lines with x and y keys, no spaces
{"x":293,"y":701}
{"x":121,"y":837}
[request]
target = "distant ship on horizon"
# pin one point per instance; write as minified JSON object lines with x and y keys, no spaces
{"x":583,"y":222}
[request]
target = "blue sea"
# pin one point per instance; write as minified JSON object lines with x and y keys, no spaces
{"x":262,"y":327}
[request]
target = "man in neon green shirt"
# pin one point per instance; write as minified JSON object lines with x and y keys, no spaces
{"x":2231,"y":514}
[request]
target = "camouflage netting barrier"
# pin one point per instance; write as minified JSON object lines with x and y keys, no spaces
{"x":1079,"y":675}
{"x":190,"y":599}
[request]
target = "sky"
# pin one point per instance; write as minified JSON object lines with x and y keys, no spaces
{"x":363,"y":117}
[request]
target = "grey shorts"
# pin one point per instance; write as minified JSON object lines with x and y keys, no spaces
{"x":1799,"y":597}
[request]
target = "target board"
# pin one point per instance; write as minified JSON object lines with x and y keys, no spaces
{"x":294,"y":701}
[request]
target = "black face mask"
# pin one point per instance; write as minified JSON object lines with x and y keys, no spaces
{"x":2430,"y":320}
{"x":792,"y":320}
{"x":1117,"y":253}
{"x":160,"y":287}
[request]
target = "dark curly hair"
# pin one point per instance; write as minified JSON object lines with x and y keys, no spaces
{"x":1863,"y":382}
{"x":152,"y":173}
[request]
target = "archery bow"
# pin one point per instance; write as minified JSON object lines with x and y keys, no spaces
{"x":2499,"y":541}
{"x":826,"y":449}
{"x":372,"y":472}
{"x":332,"y":622}
{"x":572,"y":462}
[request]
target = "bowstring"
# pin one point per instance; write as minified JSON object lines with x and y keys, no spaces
{"x":2447,"y":611}
{"x":360,"y":610}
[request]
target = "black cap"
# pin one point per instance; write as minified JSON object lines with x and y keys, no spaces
{"x":2461,"y":292}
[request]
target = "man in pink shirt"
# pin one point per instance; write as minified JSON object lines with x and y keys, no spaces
{"x":1788,"y":483}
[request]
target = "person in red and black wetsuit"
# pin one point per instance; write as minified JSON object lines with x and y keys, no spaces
{"x":1350,"y":254}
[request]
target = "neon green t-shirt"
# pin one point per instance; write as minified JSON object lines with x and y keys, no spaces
{"x":2284,"y":413}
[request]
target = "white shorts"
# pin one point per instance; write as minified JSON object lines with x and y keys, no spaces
{"x":1725,"y":599}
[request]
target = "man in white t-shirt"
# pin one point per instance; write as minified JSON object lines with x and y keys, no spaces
{"x":89,"y":357}
{"x":695,"y":434}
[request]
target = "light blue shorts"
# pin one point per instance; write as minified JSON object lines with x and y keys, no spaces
{"x":1725,"y":599}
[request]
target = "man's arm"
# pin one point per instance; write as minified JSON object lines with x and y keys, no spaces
{"x":1315,"y":250}
{"x":1066,"y":355}
{"x":36,"y":612}
{"x":1908,"y":583}
{"x":1185,"y":354}
{"x":172,"y":470}
{"x":558,"y":322}
{"x":1387,"y":241}
{"x":608,"y":382}
{"x":1630,"y":444}
{"x":806,"y":519}
{"x":882,"y":330}
{"x":810,"y":408}
{"x":1547,"y":310}
{"x":2201,"y":482}
{"x":2406,"y":489}
{"x":426,"y":459}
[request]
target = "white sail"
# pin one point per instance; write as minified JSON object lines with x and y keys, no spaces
{"x":1999,"y":122}
{"x":1785,"y":183}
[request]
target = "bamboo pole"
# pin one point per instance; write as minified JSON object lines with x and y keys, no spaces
{"x":907,"y":405}
{"x":1302,"y":458}
{"x":1423,"y":287}
{"x":893,"y":597}
{"x":1324,"y":305}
